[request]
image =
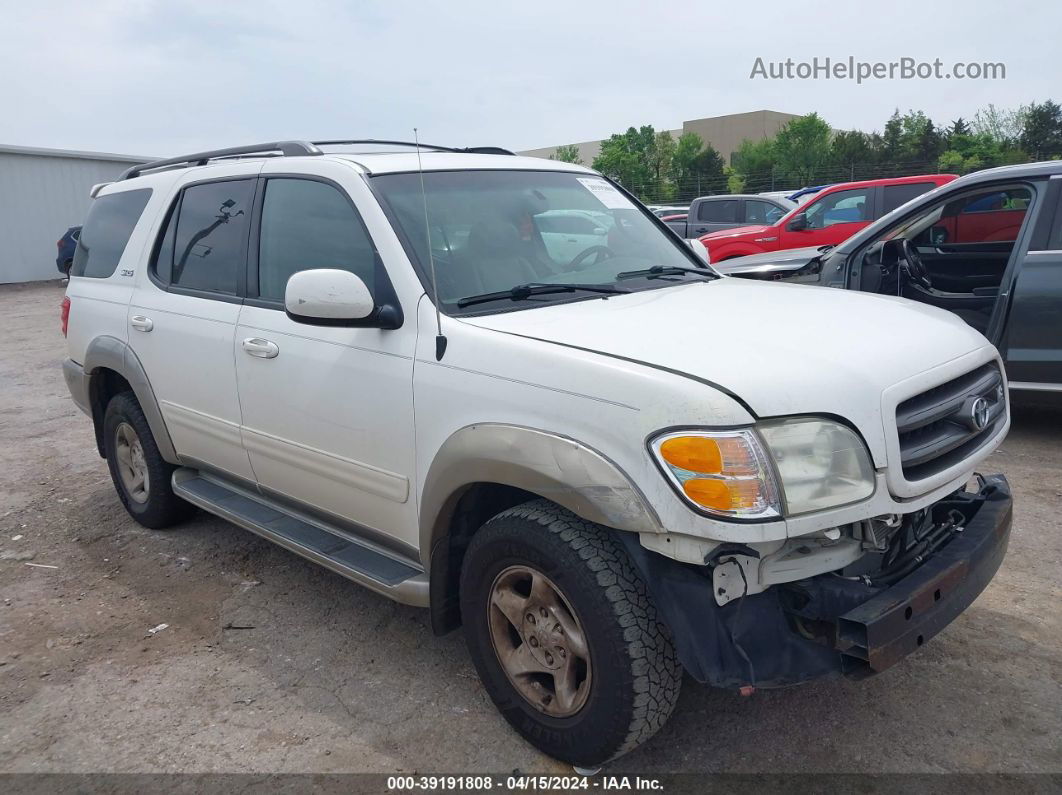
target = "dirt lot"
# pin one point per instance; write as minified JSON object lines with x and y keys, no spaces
{"x":271,"y":664}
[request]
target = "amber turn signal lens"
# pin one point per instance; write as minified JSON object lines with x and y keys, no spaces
{"x":693,"y":453}
{"x":724,"y":495}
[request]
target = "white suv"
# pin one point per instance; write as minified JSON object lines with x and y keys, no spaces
{"x":608,"y":466}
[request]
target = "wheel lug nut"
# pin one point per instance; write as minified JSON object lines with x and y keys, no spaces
{"x":534,"y":642}
{"x":531,"y":618}
{"x":549,"y":659}
{"x":542,"y":612}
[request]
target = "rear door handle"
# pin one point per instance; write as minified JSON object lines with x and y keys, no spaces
{"x":141,"y":323}
{"x":263,"y":349}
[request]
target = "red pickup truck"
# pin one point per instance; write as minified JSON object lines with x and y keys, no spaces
{"x":835,"y":214}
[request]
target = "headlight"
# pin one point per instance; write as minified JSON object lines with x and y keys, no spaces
{"x":722,"y":472}
{"x":822,"y":464}
{"x":788,"y":467}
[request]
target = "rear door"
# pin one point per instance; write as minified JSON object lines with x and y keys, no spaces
{"x":712,"y":215}
{"x":1031,"y":340}
{"x":182,"y":317}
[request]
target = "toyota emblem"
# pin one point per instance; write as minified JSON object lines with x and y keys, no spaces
{"x":979,"y":414}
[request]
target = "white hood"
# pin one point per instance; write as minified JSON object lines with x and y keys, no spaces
{"x":781,"y":348}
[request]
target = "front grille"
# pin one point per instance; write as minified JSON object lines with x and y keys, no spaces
{"x":944,"y":425}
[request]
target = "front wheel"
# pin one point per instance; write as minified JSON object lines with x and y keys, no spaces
{"x":565,"y":636}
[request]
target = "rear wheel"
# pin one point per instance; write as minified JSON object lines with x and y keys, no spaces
{"x":140,"y":474}
{"x":565,"y":636}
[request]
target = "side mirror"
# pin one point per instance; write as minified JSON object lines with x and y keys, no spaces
{"x":328,"y":297}
{"x":938,"y":235}
{"x":700,"y":250}
{"x":798,"y":223}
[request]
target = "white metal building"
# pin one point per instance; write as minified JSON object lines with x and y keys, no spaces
{"x":43,"y":192}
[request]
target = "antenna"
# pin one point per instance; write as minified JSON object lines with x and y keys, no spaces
{"x":440,"y":340}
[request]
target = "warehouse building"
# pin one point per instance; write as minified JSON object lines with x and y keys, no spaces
{"x":43,"y":192}
{"x":724,"y":133}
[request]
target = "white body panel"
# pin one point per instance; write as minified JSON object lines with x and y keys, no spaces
{"x":349,"y":420}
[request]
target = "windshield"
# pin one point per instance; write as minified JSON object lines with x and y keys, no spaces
{"x":492,"y":231}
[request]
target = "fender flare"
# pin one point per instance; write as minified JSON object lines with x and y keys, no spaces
{"x":115,"y":354}
{"x":561,"y":469}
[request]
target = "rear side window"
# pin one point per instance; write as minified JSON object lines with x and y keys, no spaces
{"x":103,"y":239}
{"x":204,"y":244}
{"x":895,"y":195}
{"x":722,"y":211}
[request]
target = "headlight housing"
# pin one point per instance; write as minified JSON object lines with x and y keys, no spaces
{"x":779,"y":468}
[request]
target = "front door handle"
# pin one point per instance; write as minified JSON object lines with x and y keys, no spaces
{"x":263,"y":349}
{"x":141,"y":323}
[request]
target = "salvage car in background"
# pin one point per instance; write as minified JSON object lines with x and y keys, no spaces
{"x":987,"y":247}
{"x":66,"y":245}
{"x":834,"y":214}
{"x":726,"y":211}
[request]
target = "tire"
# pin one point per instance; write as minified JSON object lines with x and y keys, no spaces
{"x":127,"y":437}
{"x":628,"y":684}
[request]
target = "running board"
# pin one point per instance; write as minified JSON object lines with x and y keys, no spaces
{"x":329,"y":546}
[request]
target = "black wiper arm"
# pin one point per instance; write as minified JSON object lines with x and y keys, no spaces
{"x":657,"y":271}
{"x":523,"y":291}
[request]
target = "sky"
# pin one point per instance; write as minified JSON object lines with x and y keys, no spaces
{"x":162,"y":78}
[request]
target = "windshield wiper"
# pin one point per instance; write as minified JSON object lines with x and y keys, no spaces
{"x":657,"y":271}
{"x":522,"y":292}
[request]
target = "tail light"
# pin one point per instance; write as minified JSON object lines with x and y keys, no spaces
{"x":64,"y":315}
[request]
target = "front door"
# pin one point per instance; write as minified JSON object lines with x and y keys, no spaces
{"x":831,"y":219}
{"x":1031,"y":341}
{"x":327,"y":410}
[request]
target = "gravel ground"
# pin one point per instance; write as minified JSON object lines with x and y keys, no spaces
{"x":270,"y":664}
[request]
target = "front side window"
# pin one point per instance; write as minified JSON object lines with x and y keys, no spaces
{"x":842,"y":207}
{"x":204,"y":244}
{"x":723,"y":211}
{"x":761,"y":212}
{"x":106,"y":232}
{"x":305,"y":225}
{"x":492,"y":231}
{"x":985,"y":216}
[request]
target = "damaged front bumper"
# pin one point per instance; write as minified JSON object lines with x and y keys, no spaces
{"x":829,"y":624}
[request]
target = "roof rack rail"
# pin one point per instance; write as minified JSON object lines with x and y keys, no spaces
{"x":285,"y":148}
{"x":478,"y":150}
{"x":290,"y":149}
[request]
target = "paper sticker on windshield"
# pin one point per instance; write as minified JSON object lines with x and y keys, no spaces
{"x":606,"y":193}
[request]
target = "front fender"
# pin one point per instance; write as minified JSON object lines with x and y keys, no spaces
{"x":568,"y":472}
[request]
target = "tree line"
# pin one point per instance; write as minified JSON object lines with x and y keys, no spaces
{"x":807,"y":151}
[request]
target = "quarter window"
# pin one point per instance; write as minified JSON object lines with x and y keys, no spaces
{"x":204,"y":244}
{"x":305,"y":225}
{"x":103,"y":239}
